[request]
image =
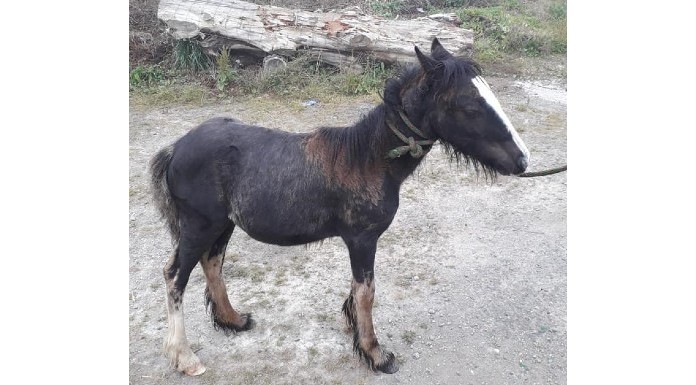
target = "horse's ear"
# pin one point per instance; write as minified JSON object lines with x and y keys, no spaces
{"x":436,"y":44}
{"x":427,"y":63}
{"x":391,"y":92}
{"x":438,"y":51}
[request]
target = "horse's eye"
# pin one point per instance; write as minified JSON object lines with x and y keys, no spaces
{"x":471,"y":111}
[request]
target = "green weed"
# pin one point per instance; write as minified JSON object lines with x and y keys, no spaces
{"x":190,"y":56}
{"x":558,"y":10}
{"x":146,"y":76}
{"x":389,"y":8}
{"x":224,"y":74}
{"x":371,"y":80}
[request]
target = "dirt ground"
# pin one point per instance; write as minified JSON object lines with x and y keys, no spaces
{"x":470,"y":277}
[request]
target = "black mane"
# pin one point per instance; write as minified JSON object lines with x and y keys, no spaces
{"x":360,"y":143}
{"x":456,"y":72}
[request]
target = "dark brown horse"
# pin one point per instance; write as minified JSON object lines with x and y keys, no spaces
{"x":289,"y":189}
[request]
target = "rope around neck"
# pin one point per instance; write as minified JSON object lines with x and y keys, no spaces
{"x":413,"y":147}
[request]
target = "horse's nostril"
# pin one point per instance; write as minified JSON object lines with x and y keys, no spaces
{"x":522,"y":163}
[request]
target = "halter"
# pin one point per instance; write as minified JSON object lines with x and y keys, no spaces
{"x":413,"y":147}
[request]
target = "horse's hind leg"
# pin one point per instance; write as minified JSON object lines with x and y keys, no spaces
{"x":193,"y":246}
{"x":358,"y":307}
{"x":176,"y":345}
{"x":221,"y":311}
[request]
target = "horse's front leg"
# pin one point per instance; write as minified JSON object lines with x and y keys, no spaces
{"x":358,"y":307}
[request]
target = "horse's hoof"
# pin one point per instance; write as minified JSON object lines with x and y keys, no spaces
{"x":195,"y":370}
{"x":231,"y":328}
{"x":249,"y":324}
{"x":389,"y":366}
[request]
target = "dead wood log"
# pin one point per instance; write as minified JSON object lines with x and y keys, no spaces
{"x":338,"y":38}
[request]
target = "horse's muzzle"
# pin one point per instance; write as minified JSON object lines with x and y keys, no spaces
{"x":522,"y":163}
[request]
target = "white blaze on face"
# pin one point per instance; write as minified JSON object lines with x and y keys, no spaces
{"x":485,"y":90}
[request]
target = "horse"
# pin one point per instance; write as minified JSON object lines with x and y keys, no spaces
{"x":288,"y":188}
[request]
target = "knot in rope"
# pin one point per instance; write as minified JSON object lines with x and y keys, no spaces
{"x":416,"y":150}
{"x":413,"y":147}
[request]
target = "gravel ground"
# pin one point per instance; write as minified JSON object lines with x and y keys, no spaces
{"x":470,"y":277}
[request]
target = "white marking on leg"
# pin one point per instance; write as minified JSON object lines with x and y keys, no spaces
{"x":487,"y":94}
{"x":176,"y":334}
{"x":176,"y":344}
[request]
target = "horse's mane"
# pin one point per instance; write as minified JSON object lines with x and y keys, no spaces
{"x":455,"y":71}
{"x":358,"y":144}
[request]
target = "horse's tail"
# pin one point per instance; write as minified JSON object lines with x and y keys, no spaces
{"x":160,"y":190}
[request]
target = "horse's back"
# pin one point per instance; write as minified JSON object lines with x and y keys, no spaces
{"x":229,"y":142}
{"x":217,"y":133}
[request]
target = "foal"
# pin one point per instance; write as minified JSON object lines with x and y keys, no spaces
{"x":290,"y":189}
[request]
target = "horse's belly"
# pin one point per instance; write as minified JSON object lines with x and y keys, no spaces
{"x":285,"y":230}
{"x":284,"y":236}
{"x":285,"y":239}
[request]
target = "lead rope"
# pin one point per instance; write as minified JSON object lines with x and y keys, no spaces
{"x":543,"y":173}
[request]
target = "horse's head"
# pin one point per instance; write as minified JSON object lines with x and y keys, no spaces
{"x":458,"y":107}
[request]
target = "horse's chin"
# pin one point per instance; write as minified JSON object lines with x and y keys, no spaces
{"x":508,"y":169}
{"x":479,"y":165}
{"x":499,"y":168}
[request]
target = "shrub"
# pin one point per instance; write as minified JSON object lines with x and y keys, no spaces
{"x":146,"y":76}
{"x":189,"y":55}
{"x":225,"y":74}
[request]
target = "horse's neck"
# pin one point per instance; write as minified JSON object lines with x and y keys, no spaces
{"x":402,"y":167}
{"x":384,"y":140}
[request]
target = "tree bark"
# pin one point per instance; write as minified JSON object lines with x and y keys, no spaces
{"x":339,"y":38}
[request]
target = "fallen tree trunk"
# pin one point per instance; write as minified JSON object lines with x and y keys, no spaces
{"x":339,"y":38}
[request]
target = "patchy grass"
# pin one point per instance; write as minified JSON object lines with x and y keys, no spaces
{"x":409,"y":337}
{"x":145,"y":76}
{"x":304,"y":78}
{"x":168,"y":94}
{"x":369,"y":81}
{"x":281,"y":278}
{"x":388,"y":8}
{"x":324,"y":317}
{"x":257,"y":274}
{"x":205,"y":80}
{"x":313,"y":352}
{"x":522,"y":107}
{"x":513,"y":27}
